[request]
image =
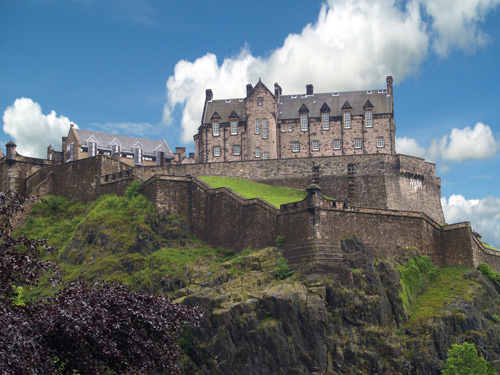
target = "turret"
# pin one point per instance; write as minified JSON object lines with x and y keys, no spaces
{"x":11,"y":150}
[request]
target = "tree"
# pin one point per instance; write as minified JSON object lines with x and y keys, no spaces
{"x":464,"y":360}
{"x":105,"y":329}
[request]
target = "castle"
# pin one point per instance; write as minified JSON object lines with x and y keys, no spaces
{"x":337,"y":145}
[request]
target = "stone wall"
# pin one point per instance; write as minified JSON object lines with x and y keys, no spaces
{"x":14,"y":172}
{"x":396,"y":182}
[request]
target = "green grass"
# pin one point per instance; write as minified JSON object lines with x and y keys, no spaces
{"x":118,"y":239}
{"x":415,"y":276}
{"x":448,"y":285}
{"x":488,"y":246}
{"x":249,"y":189}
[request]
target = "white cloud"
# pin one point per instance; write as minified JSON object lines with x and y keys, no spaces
{"x":483,"y":214}
{"x":354,"y":44}
{"x":455,"y":24}
{"x":32,"y":130}
{"x":461,"y":144}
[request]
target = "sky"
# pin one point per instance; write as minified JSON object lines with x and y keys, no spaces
{"x":141,"y":68}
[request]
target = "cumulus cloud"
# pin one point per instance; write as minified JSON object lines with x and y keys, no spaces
{"x":483,"y":214}
{"x":354,"y":44}
{"x":32,"y":130}
{"x":461,"y":144}
{"x":456,"y":24}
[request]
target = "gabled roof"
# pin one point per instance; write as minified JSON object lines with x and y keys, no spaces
{"x":104,"y":140}
{"x":225,"y":109}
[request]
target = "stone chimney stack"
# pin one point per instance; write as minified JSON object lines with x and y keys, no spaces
{"x":309,"y":89}
{"x":249,"y":90}
{"x":11,"y":150}
{"x":389,"y":85}
{"x":277,"y":89}
{"x":209,"y":95}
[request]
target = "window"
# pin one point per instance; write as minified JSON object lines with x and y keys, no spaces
{"x":265,"y":155}
{"x":295,"y":146}
{"x":160,"y":158}
{"x":283,"y":128}
{"x":303,"y":123}
{"x":257,"y":126}
{"x":217,"y":151}
{"x":357,"y":142}
{"x":216,"y":129}
{"x":347,"y":120}
{"x":380,"y":141}
{"x":336,"y":144}
{"x":259,"y":100}
{"x":234,"y":127}
{"x":290,"y":128}
{"x":236,"y":150}
{"x":264,"y":128}
{"x":138,"y":156}
{"x":115,"y":149}
{"x":92,"y":149}
{"x":257,"y":152}
{"x":326,"y":120}
{"x":69,"y":151}
{"x":315,"y":145}
{"x":369,"y":119}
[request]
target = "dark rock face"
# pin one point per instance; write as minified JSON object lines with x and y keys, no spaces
{"x":257,"y":325}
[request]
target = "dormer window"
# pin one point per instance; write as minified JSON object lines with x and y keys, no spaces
{"x":92,"y":149}
{"x":160,"y":158}
{"x":369,"y":118}
{"x":216,"y":130}
{"x":264,"y":128}
{"x":347,"y":120}
{"x":234,"y":127}
{"x":138,"y":156}
{"x":115,"y":149}
{"x":303,"y":122}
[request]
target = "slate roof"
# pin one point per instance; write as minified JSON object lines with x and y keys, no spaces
{"x":290,"y":105}
{"x":104,"y":140}
{"x":224,"y":108}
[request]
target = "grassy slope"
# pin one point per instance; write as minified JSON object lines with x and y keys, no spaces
{"x":106,"y":239}
{"x":249,"y":189}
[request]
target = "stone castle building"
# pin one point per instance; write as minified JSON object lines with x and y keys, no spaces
{"x":266,"y":125}
{"x":343,"y":142}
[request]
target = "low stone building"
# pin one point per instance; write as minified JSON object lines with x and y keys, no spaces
{"x":264,"y":125}
{"x":80,"y":144}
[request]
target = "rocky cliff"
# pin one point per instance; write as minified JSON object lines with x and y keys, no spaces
{"x":356,"y":320}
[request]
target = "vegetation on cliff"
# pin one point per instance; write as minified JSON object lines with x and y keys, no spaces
{"x":390,"y":314}
{"x":106,"y":329}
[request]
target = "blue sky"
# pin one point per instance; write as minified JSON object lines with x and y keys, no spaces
{"x":141,"y":68}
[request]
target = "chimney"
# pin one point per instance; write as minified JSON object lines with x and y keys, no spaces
{"x":309,"y":89}
{"x":389,"y":85}
{"x":209,"y":95}
{"x":181,"y":151}
{"x":277,"y":89}
{"x":249,"y":90}
{"x":191,"y":155}
{"x":10,"y":148}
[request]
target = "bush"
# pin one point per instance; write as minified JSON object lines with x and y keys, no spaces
{"x":133,"y":189}
{"x":415,"y":275}
{"x":279,"y":241}
{"x":282,"y":271}
{"x":464,"y":360}
{"x":488,"y":272}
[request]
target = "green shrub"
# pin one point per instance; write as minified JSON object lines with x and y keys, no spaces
{"x":464,"y":360}
{"x":415,"y":275}
{"x":279,"y":241}
{"x":282,"y":271}
{"x":495,"y":318}
{"x":133,"y":190}
{"x":488,"y":272}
